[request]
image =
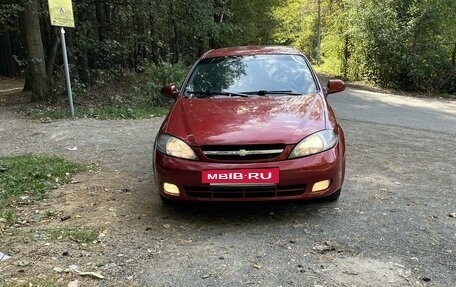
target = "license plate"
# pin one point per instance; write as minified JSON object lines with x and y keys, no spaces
{"x":241,"y":176}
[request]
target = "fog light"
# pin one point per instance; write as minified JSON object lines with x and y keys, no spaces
{"x":321,"y":185}
{"x":171,"y":189}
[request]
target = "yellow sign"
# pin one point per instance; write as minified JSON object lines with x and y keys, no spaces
{"x":61,"y":12}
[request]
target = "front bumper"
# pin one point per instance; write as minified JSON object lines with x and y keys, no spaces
{"x":297,"y":178}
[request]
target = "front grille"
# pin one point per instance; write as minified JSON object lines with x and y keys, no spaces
{"x":243,"y":152}
{"x":247,"y":191}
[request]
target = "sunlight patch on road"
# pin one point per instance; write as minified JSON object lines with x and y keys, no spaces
{"x":444,"y":106}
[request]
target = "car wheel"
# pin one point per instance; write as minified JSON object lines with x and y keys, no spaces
{"x":166,"y":201}
{"x":333,"y":197}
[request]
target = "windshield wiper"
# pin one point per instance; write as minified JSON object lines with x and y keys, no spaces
{"x":265,"y":92}
{"x":207,"y":94}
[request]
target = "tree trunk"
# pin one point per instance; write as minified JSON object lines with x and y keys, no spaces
{"x":101,"y":19}
{"x":83,"y":52}
{"x":346,"y":56}
{"x":175,"y":38}
{"x":52,"y":55}
{"x":7,"y":64}
{"x":453,"y":57}
{"x":36,"y":80}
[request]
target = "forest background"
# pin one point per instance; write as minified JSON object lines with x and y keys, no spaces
{"x":121,"y":49}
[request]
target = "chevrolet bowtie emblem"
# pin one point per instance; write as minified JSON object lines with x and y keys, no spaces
{"x":242,"y":152}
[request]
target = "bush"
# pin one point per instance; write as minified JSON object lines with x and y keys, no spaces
{"x":157,"y":76}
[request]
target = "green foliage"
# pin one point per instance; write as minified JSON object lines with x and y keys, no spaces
{"x":103,"y":111}
{"x":407,"y":45}
{"x":116,"y":36}
{"x":155,"y":77}
{"x":134,"y":96}
{"x":78,"y":235}
{"x":8,"y":215}
{"x":340,"y":40}
{"x":9,"y":15}
{"x":248,"y":23}
{"x":401,"y":44}
{"x":33,"y":176}
{"x":297,"y":25}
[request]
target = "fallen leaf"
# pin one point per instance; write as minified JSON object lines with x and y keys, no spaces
{"x":23,"y":263}
{"x":205,"y":276}
{"x":75,"y":269}
{"x":256,"y":266}
{"x":58,"y":270}
{"x":93,"y":274}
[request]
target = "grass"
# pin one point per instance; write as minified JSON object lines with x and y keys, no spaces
{"x":8,"y":215}
{"x":78,"y":235}
{"x":36,"y":283}
{"x":31,"y":176}
{"x":130,"y":96}
{"x":81,"y":235}
{"x":102,"y":113}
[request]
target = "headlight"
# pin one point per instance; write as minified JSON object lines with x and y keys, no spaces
{"x":174,"y":147}
{"x":315,"y":143}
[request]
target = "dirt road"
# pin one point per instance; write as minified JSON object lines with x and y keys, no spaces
{"x":391,"y":226}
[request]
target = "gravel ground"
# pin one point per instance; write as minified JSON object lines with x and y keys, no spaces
{"x":392,"y":225}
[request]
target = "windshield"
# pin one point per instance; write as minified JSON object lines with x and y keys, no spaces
{"x":250,"y":74}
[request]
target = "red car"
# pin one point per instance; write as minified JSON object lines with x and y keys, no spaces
{"x":250,"y":124}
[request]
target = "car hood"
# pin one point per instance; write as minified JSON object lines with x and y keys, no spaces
{"x":252,"y":120}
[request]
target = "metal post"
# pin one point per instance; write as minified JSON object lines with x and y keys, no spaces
{"x":67,"y":71}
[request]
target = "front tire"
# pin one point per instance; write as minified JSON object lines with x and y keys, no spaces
{"x":166,"y":201}
{"x":333,"y":197}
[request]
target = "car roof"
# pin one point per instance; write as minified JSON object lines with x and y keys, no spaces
{"x":250,"y":50}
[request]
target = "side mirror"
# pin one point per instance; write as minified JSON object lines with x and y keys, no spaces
{"x":335,"y":86}
{"x":169,"y":91}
